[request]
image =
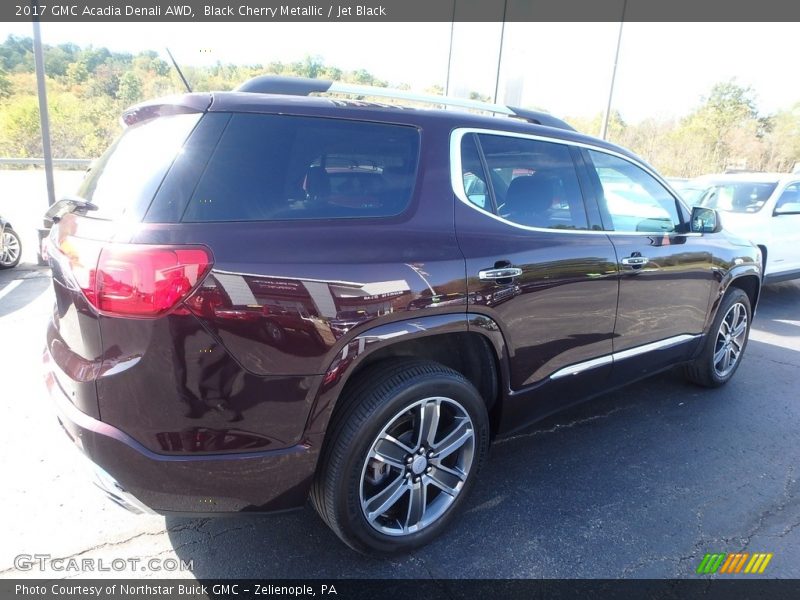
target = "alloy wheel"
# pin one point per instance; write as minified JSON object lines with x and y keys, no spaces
{"x":11,"y":250}
{"x":730,"y":341}
{"x":417,"y":466}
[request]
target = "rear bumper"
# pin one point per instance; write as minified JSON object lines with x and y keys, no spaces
{"x":141,"y":480}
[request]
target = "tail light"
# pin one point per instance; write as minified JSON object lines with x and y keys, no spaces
{"x":134,"y":280}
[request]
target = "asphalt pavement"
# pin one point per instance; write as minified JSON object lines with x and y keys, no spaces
{"x":638,"y":483}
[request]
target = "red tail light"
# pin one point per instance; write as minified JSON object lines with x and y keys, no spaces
{"x":135,"y":280}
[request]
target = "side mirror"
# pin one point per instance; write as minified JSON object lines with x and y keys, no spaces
{"x":787,"y":208}
{"x":705,"y":220}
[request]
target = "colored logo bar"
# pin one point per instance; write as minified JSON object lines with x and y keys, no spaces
{"x":740,"y":562}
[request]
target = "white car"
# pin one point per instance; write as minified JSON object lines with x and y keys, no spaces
{"x":764,"y":208}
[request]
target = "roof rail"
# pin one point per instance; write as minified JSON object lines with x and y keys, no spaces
{"x":303,"y":86}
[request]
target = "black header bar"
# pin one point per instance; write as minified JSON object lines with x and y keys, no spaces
{"x":264,"y":11}
{"x":430,"y":589}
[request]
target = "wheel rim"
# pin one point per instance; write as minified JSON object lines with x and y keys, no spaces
{"x":10,"y":249}
{"x":730,"y":341}
{"x":417,"y":466}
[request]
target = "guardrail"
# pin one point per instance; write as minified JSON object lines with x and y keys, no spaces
{"x":80,"y":163}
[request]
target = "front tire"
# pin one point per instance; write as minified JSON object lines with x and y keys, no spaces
{"x":725,"y":342}
{"x":401,"y":457}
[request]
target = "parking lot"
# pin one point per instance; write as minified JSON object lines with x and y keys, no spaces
{"x":638,"y":483}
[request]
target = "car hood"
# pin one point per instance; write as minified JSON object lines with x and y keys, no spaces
{"x":746,"y":225}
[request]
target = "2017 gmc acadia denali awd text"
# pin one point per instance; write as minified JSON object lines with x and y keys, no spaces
{"x":264,"y":295}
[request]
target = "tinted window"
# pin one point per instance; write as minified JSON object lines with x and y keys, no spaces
{"x":123,"y":181}
{"x":742,"y":197}
{"x":271,"y":167}
{"x":473,"y":175}
{"x":534,"y":182}
{"x":632,"y":199}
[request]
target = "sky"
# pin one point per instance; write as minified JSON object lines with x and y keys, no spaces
{"x":565,"y":68}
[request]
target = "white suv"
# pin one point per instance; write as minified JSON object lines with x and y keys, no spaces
{"x":764,"y":208}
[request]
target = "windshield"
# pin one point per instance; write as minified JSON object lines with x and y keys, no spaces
{"x":691,"y":193}
{"x":739,"y":197}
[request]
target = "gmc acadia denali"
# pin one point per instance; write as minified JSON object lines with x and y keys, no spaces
{"x":266,"y":295}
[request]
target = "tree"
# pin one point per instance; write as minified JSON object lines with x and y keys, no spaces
{"x":6,"y":87}
{"x":130,"y":89}
{"x":729,"y":106}
{"x":16,"y":54}
{"x":77,"y":73}
{"x":783,"y":139}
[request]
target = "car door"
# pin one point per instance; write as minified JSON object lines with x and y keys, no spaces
{"x":534,"y":265}
{"x":784,"y":232}
{"x":666,"y":275}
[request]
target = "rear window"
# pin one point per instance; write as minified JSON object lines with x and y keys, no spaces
{"x":124,"y":180}
{"x":274,"y":167}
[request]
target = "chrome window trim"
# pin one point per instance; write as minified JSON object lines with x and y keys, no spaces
{"x":622,"y":355}
{"x":457,"y":180}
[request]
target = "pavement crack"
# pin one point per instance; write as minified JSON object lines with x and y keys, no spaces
{"x":560,"y":426}
{"x":96,"y":547}
{"x":772,"y":511}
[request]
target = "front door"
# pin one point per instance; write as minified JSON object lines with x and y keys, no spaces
{"x":783,"y":256}
{"x":666,"y":275}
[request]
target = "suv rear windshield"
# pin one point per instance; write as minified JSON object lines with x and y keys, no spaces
{"x":123,"y":181}
{"x":275,"y":167}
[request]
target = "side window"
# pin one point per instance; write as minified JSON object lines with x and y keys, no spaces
{"x":275,"y":167}
{"x":631,"y":198}
{"x":789,"y":202}
{"x":473,"y":175}
{"x":534,"y":182}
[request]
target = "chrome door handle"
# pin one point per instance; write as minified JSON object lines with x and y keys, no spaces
{"x":635,"y":261}
{"x":502,"y":273}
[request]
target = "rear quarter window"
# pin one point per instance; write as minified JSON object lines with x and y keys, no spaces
{"x":123,"y":181}
{"x":277,"y":167}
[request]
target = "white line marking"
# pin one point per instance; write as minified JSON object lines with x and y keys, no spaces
{"x":10,"y":287}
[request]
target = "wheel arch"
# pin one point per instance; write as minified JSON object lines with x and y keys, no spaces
{"x":453,"y":340}
{"x":746,"y":277}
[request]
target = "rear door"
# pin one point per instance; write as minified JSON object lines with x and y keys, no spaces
{"x":666,"y":275}
{"x":534,"y":263}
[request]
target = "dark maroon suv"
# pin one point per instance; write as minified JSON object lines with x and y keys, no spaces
{"x":264,"y":295}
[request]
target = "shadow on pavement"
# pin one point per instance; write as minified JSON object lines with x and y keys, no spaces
{"x":21,"y":286}
{"x":640,"y":482}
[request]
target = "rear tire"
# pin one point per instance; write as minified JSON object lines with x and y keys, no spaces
{"x":725,"y":343}
{"x":407,"y":431}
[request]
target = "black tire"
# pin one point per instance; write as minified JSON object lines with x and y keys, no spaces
{"x":275,"y":333}
{"x":375,"y":402}
{"x":11,"y":263}
{"x":703,"y":370}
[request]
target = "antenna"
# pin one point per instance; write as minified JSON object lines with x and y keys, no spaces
{"x":178,"y":69}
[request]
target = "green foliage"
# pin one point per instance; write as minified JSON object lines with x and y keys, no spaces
{"x":6,"y":86}
{"x":89,"y":87}
{"x":130,"y":88}
{"x":724,"y":131}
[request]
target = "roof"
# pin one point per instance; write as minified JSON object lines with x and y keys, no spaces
{"x":252,"y":102}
